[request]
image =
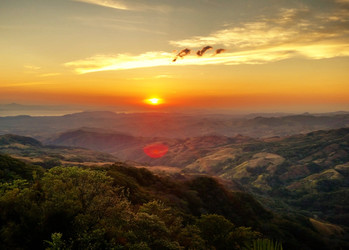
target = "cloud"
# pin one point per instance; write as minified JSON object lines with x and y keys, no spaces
{"x":106,"y":3}
{"x":287,"y":27}
{"x":163,"y":76}
{"x":257,"y":56}
{"x":152,"y":77}
{"x":32,"y":67}
{"x":117,"y":24}
{"x":49,"y":74}
{"x":120,"y":62}
{"x":292,"y":33}
{"x":127,"y":5}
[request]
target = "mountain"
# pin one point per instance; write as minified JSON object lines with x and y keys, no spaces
{"x":171,"y":125}
{"x":306,"y":172}
{"x":33,"y":151}
{"x":63,"y":203}
{"x":127,"y":147}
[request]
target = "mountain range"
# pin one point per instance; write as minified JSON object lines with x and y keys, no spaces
{"x":171,"y":125}
{"x":296,"y":166}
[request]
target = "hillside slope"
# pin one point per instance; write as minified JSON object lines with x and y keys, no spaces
{"x":35,"y":152}
{"x":308,"y":172}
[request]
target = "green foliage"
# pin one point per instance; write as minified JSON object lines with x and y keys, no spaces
{"x":266,"y":244}
{"x":56,"y":242}
{"x":11,"y":169}
{"x":10,"y":139}
{"x":129,"y":208}
{"x":222,"y":234}
{"x":190,"y":238}
{"x":239,"y":207}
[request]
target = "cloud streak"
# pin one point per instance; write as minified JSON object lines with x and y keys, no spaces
{"x":292,"y":33}
{"x":106,"y":3}
{"x":259,"y":56}
{"x":289,"y":26}
{"x":127,"y":5}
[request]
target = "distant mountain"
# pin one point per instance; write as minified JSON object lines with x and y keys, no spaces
{"x":171,"y":125}
{"x":126,"y":147}
{"x":32,"y":151}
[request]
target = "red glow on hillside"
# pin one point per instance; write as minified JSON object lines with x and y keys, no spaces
{"x":156,"y":150}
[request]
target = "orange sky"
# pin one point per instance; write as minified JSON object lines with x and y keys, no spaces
{"x":278,"y":55}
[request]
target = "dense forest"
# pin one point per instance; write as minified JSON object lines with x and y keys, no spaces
{"x":121,"y":207}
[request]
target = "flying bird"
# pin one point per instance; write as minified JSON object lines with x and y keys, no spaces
{"x":203,"y":50}
{"x":200,"y":52}
{"x":181,"y":54}
{"x":218,"y":51}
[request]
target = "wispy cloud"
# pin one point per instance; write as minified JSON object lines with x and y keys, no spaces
{"x":37,"y":71}
{"x":120,"y":62}
{"x":49,"y":74}
{"x":106,"y":3}
{"x":257,"y":56}
{"x":163,"y":76}
{"x":128,"y":5}
{"x":291,"y":33}
{"x":24,"y":84}
{"x":32,"y":67}
{"x":151,"y":77}
{"x":117,"y":24}
{"x":289,"y":26}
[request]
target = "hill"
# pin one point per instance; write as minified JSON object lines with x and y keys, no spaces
{"x":12,"y":169}
{"x":307,"y":172}
{"x":33,"y":151}
{"x":172,"y":125}
{"x":64,"y":204}
{"x":127,"y":147}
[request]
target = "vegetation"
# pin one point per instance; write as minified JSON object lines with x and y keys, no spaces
{"x":32,"y":151}
{"x":266,"y":244}
{"x":123,"y":207}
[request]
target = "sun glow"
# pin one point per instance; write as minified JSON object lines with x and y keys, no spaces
{"x":153,"y":101}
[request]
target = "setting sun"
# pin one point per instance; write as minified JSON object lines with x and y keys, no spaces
{"x":153,"y":101}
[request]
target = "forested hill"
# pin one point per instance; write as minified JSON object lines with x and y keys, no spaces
{"x":120,"y":206}
{"x":31,"y":150}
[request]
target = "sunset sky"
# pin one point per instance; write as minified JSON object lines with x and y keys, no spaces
{"x":264,"y":55}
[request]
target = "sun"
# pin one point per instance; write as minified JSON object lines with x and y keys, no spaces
{"x":153,"y":101}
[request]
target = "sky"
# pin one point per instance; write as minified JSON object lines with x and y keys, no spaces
{"x":241,"y":55}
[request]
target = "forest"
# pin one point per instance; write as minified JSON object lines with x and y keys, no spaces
{"x":121,"y":207}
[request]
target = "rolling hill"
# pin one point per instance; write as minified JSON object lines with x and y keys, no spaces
{"x":33,"y":151}
{"x":295,"y":170}
{"x":172,"y":125}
